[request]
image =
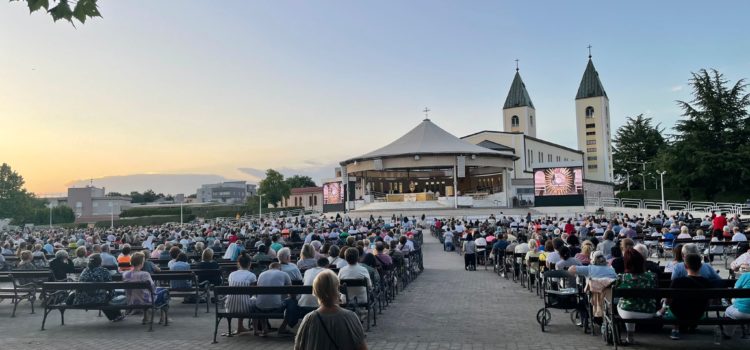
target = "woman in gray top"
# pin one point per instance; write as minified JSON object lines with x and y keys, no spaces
{"x":329,"y":327}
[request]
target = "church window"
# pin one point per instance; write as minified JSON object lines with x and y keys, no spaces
{"x":591,"y":157}
{"x":541,"y":157}
{"x":591,"y":125}
{"x":590,"y":142}
{"x":530,"y":157}
{"x":591,"y":149}
{"x":593,"y":166}
{"x":514,"y":121}
{"x":558,"y":158}
{"x":590,"y":133}
{"x":549,"y":158}
{"x":589,"y":112}
{"x":531,"y":120}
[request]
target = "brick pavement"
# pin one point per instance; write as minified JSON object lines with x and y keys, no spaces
{"x":445,"y":308}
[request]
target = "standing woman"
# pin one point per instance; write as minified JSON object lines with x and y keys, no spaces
{"x":330,"y":326}
{"x":470,"y":253}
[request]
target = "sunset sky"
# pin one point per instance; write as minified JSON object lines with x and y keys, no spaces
{"x":226,"y":89}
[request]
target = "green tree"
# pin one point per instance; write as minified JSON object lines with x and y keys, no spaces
{"x":712,"y":141}
{"x":15,"y":202}
{"x":273,"y":188}
{"x":299,"y":181}
{"x":69,"y":10}
{"x":635,"y":142}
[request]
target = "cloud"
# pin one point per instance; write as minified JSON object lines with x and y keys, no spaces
{"x":160,"y":183}
{"x":317,"y":171}
{"x":677,"y":88}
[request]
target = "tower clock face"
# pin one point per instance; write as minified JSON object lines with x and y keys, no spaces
{"x":559,"y":181}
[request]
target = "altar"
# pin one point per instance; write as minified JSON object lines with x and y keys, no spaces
{"x":410,"y":197}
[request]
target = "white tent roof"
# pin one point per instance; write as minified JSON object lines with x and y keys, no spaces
{"x":428,"y":139}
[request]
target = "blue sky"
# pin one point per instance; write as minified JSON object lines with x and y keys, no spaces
{"x":209,"y":87}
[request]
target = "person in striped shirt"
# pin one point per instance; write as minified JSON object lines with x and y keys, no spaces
{"x":241,"y":303}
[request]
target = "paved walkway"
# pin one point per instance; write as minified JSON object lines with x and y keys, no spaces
{"x":445,"y":308}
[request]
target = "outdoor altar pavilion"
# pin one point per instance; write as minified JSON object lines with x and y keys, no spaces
{"x":429,"y":164}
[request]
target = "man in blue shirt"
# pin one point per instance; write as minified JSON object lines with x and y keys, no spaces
{"x":706,"y":271}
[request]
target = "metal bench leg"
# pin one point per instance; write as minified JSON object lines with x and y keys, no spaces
{"x":15,"y":305}
{"x":62,"y":317}
{"x":216,"y":328}
{"x":44,"y":320}
{"x":229,"y":327}
{"x":151,"y":324}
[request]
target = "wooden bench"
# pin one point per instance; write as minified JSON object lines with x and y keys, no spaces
{"x":221,"y":312}
{"x":21,"y":291}
{"x":613,"y":320}
{"x":55,"y":295}
{"x":196,"y":290}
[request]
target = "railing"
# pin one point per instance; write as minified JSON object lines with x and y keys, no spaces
{"x":731,"y":208}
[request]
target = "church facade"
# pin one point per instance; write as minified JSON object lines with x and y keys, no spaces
{"x":519,"y":138}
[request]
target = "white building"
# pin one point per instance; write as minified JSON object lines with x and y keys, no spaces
{"x":90,"y":204}
{"x":519,"y":138}
{"x":234,"y":192}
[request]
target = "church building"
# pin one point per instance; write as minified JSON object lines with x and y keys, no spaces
{"x":519,"y":138}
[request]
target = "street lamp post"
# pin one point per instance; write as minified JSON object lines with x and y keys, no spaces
{"x":181,"y":214}
{"x":50,"y":215}
{"x":663,"y":203}
{"x":627,"y":176}
{"x":112,"y":215}
{"x":643,"y":174}
{"x":260,"y":205}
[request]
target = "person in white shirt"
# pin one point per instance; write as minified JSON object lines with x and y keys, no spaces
{"x":743,"y":260}
{"x":309,"y":300}
{"x":738,"y":236}
{"x":354,"y":271}
{"x":684,"y":233}
{"x":448,"y":240}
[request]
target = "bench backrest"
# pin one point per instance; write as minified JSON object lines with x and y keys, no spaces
{"x":656,"y":293}
{"x":256,"y":290}
{"x":53,"y":286}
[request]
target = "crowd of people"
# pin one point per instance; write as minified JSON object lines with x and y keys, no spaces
{"x":623,"y":250}
{"x":324,"y":251}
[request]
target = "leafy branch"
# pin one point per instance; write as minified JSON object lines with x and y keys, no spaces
{"x":68,"y":10}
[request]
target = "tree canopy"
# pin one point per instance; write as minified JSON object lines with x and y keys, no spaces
{"x":712,"y":140}
{"x":273,"y":187}
{"x":299,"y":181}
{"x":69,"y":10}
{"x":635,"y":142}
{"x":22,"y":206}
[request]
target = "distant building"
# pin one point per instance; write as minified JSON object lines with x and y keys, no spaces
{"x":234,"y":192}
{"x":310,"y":198}
{"x":90,"y":204}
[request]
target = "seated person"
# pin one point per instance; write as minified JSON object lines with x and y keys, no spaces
{"x":61,"y":265}
{"x":706,"y":271}
{"x":274,"y":277}
{"x":688,"y":310}
{"x":740,"y":308}
{"x":140,"y":296}
{"x":308,"y":302}
{"x":96,"y":273}
{"x":743,"y":258}
{"x":635,"y":276}
{"x":241,"y":303}
{"x":180,"y":264}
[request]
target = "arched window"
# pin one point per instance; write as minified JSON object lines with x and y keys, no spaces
{"x":514,"y":121}
{"x":589,"y":112}
{"x":531,"y":120}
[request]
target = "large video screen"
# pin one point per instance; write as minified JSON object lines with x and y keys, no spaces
{"x":558,"y":182}
{"x":333,"y":193}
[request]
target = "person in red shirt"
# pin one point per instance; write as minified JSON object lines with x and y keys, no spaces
{"x":569,"y":228}
{"x":719,"y":222}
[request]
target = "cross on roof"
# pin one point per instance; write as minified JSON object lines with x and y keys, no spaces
{"x":589,"y":50}
{"x":426,"y":112}
{"x":516,"y":65}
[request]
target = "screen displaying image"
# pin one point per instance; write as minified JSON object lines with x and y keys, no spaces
{"x":333,"y":193}
{"x":558,"y":182}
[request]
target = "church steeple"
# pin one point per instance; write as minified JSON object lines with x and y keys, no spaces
{"x":518,"y":96}
{"x":518,"y":110}
{"x":590,"y":86}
